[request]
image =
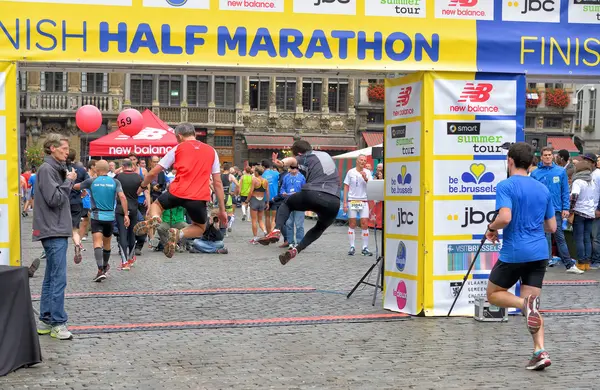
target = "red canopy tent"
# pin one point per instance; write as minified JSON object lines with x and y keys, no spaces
{"x":156,"y":138}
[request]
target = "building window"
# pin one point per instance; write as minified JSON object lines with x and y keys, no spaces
{"x":53,"y":81}
{"x":223,"y":141}
{"x":592,"y":117}
{"x":553,"y":123}
{"x":22,"y":81}
{"x":311,"y":94}
{"x":169,"y":90}
{"x":530,"y":122}
{"x":338,"y":95}
{"x":375,"y":117}
{"x":225,"y":91}
{"x":554,"y":86}
{"x":259,"y":93}
{"x":141,"y":89}
{"x":285,"y":94}
{"x":531,"y":85}
{"x":94,"y":82}
{"x":197,"y":91}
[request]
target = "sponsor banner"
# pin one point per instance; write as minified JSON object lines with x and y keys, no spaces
{"x":401,"y":295}
{"x":397,"y":8}
{"x":188,"y":4}
{"x":444,"y":292}
{"x":2,"y":88}
{"x":403,"y":179}
{"x":2,"y":134}
{"x":403,"y":140}
{"x":475,"y":97}
{"x":402,"y":256}
{"x":460,"y":217}
{"x":326,"y":7}
{"x":584,"y":11}
{"x":252,"y":5}
{"x":467,"y":138}
{"x":403,"y":101}
{"x":467,"y":177}
{"x":402,"y":218}
{"x":3,"y":179}
{"x":464,"y":9}
{"x":453,"y":257}
{"x":547,"y":11}
{"x":83,"y":2}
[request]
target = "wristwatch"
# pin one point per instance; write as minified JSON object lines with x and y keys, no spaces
{"x":490,"y":229}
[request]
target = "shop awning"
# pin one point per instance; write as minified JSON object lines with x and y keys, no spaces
{"x":372,"y":138}
{"x":559,"y":143}
{"x":276,"y":142}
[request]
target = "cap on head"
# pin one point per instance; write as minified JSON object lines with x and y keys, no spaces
{"x":590,"y":157}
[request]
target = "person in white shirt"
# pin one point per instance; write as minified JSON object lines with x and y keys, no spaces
{"x":111,"y":169}
{"x":584,"y":201}
{"x":355,"y":203}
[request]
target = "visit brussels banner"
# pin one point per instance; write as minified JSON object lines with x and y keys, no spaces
{"x":537,"y":37}
{"x":10,"y":218}
{"x":463,"y":126}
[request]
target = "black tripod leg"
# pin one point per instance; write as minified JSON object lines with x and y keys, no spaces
{"x":366,"y":275}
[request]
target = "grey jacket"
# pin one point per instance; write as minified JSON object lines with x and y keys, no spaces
{"x":51,"y":210}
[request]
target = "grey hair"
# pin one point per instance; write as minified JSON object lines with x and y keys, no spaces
{"x":185,"y":130}
{"x":55,"y":140}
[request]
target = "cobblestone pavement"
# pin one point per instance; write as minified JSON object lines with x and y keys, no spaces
{"x":417,"y":353}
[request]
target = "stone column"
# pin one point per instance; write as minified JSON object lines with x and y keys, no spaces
{"x":155,"y":101}
{"x":325,"y":96}
{"x":351,"y":101}
{"x":299,"y":108}
{"x":184,"y":92}
{"x":127,"y":88}
{"x":212,"y":91}
{"x":246,"y":93}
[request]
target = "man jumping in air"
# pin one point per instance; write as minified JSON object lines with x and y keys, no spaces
{"x":320,"y":194}
{"x":195,"y":163}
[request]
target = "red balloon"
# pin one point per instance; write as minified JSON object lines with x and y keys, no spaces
{"x":130,"y":122}
{"x":88,"y":118}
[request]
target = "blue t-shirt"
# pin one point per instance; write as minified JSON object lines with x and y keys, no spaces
{"x":32,"y":180}
{"x":524,"y":239}
{"x":103,"y":193}
{"x":273,"y":178}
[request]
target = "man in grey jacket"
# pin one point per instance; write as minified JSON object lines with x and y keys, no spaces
{"x":52,"y":226}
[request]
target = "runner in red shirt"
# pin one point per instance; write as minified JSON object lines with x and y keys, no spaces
{"x":195,"y":162}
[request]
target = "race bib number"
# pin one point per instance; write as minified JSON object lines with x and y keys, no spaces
{"x":356,"y":205}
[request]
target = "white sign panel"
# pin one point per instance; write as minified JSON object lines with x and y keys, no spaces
{"x":584,"y":11}
{"x":326,"y":7}
{"x":464,"y":177}
{"x":2,"y":135}
{"x":403,"y":101}
{"x":444,"y":292}
{"x":402,"y":256}
{"x":459,"y":217}
{"x":399,"y":8}
{"x":402,"y":218}
{"x":4,"y":237}
{"x":252,"y":5}
{"x":475,"y":97}
{"x":187,"y":4}
{"x":403,"y":179}
{"x":3,"y":180}
{"x":545,"y":11}
{"x":403,"y":140}
{"x":2,"y":91}
{"x":464,"y":9}
{"x":400,"y":295}
{"x":467,"y":138}
{"x":455,"y":256}
{"x":4,"y":256}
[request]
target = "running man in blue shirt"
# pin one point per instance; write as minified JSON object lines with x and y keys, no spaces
{"x":525,"y":213}
{"x":103,"y":191}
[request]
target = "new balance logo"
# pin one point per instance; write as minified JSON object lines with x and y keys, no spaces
{"x":463,"y":3}
{"x":479,"y":93}
{"x":403,"y":97}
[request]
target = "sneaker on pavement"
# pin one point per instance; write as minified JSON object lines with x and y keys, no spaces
{"x":106,"y":269}
{"x":61,"y":332}
{"x":125,"y":266}
{"x":288,"y":255}
{"x":574,"y":270}
{"x":153,"y":243}
{"x":35,"y":264}
{"x":366,"y":252}
{"x":532,"y":314}
{"x":222,"y":251}
{"x":254,"y":241}
{"x":132,"y":261}
{"x":243,"y":218}
{"x":138,"y":251}
{"x":171,"y":245}
{"x":43,"y":255}
{"x":84,"y":238}
{"x":594,"y":266}
{"x":77,"y":258}
{"x":270,"y":238}
{"x":352,"y":251}
{"x":539,"y":362}
{"x":142,"y":227}
{"x":43,"y":328}
{"x":100,"y":276}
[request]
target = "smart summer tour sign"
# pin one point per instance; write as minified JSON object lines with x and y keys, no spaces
{"x":530,"y":36}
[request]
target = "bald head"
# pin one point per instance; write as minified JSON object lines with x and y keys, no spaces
{"x":102,"y":167}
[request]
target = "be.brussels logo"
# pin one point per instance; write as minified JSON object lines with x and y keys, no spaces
{"x":401,"y":184}
{"x":472,"y":216}
{"x":531,"y":10}
{"x":176,"y":3}
{"x":403,"y":217}
{"x":465,"y":9}
{"x":401,"y":294}
{"x":405,"y":143}
{"x":401,"y":257}
{"x":584,"y":11}
{"x":469,"y":133}
{"x":477,"y":180}
{"x":187,"y":4}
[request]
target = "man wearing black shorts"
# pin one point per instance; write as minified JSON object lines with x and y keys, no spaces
{"x":525,"y":213}
{"x":195,"y":163}
{"x":76,"y":203}
{"x":320,"y":194}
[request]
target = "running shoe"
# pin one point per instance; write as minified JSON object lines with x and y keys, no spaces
{"x":254,"y":241}
{"x":84,"y":238}
{"x":171,"y":245}
{"x":43,"y":255}
{"x":222,"y":251}
{"x":532,"y":314}
{"x":132,"y":261}
{"x":142,"y":227}
{"x":366,"y":252}
{"x":35,"y":264}
{"x":574,"y":270}
{"x":270,"y":238}
{"x":77,"y":259}
{"x":352,"y":251}
{"x":125,"y":266}
{"x":61,"y":332}
{"x":539,"y":362}
{"x":100,"y":276}
{"x":288,"y":255}
{"x":106,"y":269}
{"x":43,"y":328}
{"x":243,"y":218}
{"x":138,"y":251}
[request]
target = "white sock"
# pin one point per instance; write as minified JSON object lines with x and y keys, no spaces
{"x":244,"y":210}
{"x":231,"y":220}
{"x":351,"y":236}
{"x":181,"y":235}
{"x":365,"y":234}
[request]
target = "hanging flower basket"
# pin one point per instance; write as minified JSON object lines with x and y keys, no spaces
{"x":34,"y":155}
{"x":376,"y":92}
{"x":558,"y":98}
{"x":533,"y":98}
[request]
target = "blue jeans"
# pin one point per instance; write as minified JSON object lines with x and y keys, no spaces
{"x":582,"y":233}
{"x":561,"y":243}
{"x":208,"y":246}
{"x":296,"y":218}
{"x":52,"y":302}
{"x":596,"y":242}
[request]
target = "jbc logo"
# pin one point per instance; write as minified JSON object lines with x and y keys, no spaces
{"x":404,"y":218}
{"x":473,"y":217}
{"x":319,"y":2}
{"x":534,"y":5}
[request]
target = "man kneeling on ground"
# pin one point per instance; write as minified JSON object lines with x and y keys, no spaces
{"x":212,"y":239}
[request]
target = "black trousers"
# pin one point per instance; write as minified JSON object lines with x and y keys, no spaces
{"x":126,"y":237}
{"x":325,"y":205}
{"x":141,"y":240}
